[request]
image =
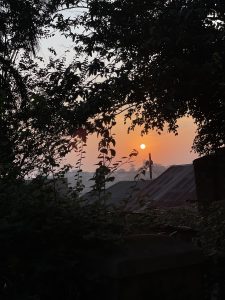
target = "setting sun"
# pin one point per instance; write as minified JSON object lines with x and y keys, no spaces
{"x":142,"y":146}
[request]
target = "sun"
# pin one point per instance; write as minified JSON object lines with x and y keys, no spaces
{"x":142,"y":146}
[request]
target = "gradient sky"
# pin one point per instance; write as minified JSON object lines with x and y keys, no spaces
{"x":166,"y":149}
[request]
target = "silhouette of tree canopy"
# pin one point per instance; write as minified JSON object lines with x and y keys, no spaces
{"x":162,"y":60}
{"x":156,"y":60}
{"x":33,"y":134}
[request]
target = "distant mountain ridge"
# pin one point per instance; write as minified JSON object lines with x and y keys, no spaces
{"x":120,"y":175}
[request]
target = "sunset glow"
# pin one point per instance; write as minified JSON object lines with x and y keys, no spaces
{"x":166,"y":149}
{"x":142,"y":146}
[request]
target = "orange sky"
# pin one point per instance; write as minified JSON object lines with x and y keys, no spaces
{"x":166,"y":149}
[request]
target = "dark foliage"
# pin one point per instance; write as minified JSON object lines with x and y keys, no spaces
{"x":162,"y":60}
{"x":157,"y":60}
{"x":46,"y":245}
{"x":33,"y":95}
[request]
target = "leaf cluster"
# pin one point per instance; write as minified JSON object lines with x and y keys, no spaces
{"x":158,"y":61}
{"x":167,"y":63}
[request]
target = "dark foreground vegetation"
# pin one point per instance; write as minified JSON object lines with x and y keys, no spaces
{"x":157,"y":61}
{"x":47,"y":247}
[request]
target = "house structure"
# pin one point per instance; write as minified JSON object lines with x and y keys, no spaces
{"x":122,"y":194}
{"x":173,"y":188}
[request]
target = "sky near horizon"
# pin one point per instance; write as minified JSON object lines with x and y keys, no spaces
{"x":166,"y":149}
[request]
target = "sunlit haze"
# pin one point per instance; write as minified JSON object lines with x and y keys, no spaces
{"x":166,"y":149}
